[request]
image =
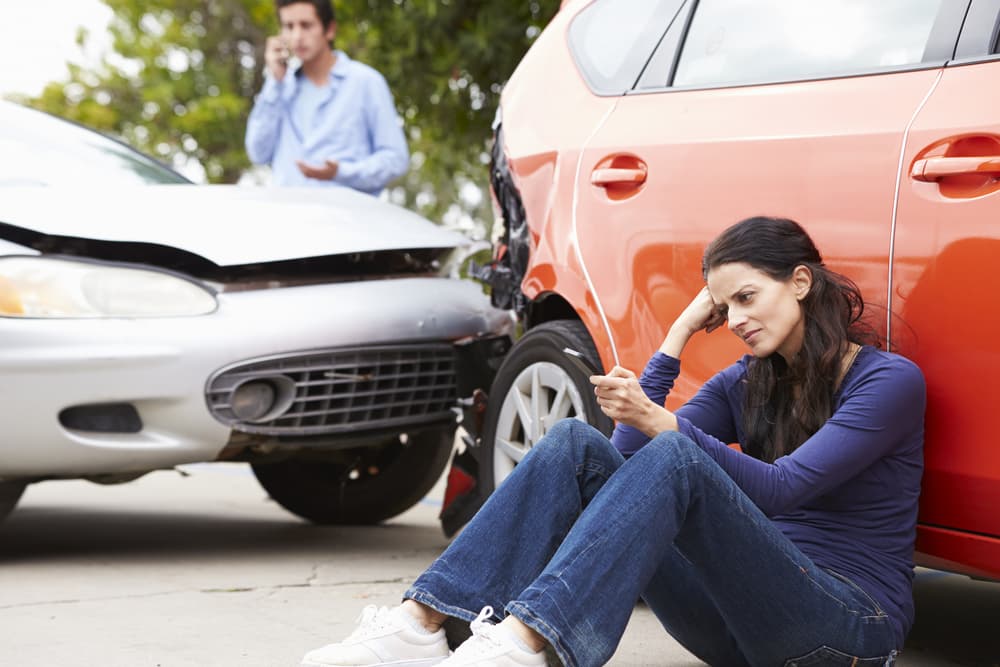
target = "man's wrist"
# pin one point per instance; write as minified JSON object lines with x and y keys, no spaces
{"x":334,"y":166}
{"x":270,"y":92}
{"x":345,"y":171}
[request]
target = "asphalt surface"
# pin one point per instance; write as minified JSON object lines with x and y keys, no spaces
{"x":202,"y":569}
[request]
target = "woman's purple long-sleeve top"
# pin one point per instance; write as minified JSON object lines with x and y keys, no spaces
{"x":847,"y":497}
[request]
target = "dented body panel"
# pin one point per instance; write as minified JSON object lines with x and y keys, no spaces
{"x":225,"y":225}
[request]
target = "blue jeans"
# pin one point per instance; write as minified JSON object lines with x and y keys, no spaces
{"x":576,"y":535}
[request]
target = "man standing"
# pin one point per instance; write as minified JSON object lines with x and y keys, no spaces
{"x":332,"y":120}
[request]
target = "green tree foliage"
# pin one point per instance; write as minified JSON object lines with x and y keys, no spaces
{"x":182,"y":75}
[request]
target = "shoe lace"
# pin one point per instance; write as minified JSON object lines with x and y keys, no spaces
{"x":371,"y":621}
{"x":484,"y":640}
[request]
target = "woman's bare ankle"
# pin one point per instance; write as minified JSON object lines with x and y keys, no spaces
{"x":428,"y":617}
{"x":526,"y":634}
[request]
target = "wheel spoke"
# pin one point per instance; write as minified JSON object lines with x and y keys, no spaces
{"x":562,"y":405}
{"x":537,"y":408}
{"x":511,"y":450}
{"x":549,"y":419}
{"x":524,"y":413}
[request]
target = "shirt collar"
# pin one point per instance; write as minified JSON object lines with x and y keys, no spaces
{"x":339,"y":69}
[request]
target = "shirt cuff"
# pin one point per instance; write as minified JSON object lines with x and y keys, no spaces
{"x":270,"y":92}
{"x":684,"y":427}
{"x":628,"y":439}
{"x":346,"y":172}
{"x":658,"y":377}
{"x":664,"y":362}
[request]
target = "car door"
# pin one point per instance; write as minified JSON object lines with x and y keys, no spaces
{"x":946,"y":252}
{"x":752,"y":108}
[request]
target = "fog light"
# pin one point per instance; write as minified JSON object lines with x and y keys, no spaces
{"x":262,"y":400}
{"x":253,"y":400}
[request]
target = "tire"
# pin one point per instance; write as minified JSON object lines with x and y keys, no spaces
{"x":380,"y":482}
{"x":10,"y":493}
{"x":537,"y":374}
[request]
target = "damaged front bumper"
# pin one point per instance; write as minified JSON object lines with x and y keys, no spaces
{"x":161,"y":367}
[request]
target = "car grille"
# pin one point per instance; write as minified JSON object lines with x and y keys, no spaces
{"x":344,"y":389}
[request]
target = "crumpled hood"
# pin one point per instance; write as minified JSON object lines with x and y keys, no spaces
{"x":227,"y":225}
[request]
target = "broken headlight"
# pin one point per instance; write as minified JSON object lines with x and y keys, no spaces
{"x":42,"y":287}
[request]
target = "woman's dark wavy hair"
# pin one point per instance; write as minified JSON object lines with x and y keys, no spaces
{"x":785,"y":403}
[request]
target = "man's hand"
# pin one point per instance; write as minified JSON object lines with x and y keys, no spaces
{"x":621,"y":398}
{"x":276,"y":57}
{"x":327,"y":172}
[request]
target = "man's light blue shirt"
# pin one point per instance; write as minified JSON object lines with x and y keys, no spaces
{"x":351,"y":120}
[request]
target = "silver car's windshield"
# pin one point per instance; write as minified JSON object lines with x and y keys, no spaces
{"x":38,"y":149}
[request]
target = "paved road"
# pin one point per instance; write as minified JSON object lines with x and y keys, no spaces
{"x":175,"y":571}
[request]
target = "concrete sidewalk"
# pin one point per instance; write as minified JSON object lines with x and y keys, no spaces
{"x":173,"y":571}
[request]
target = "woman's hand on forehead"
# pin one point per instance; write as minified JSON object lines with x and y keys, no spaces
{"x":703,"y":313}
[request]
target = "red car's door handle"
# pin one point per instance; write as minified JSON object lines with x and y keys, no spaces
{"x":934,"y":168}
{"x":618,"y":176}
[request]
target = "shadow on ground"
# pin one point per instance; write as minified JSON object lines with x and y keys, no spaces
{"x":59,"y":533}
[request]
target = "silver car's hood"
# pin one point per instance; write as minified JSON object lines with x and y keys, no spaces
{"x":227,"y":225}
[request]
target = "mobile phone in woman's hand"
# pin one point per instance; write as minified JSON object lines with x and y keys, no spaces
{"x":580,"y":362}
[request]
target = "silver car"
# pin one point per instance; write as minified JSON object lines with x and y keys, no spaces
{"x":147,"y":322}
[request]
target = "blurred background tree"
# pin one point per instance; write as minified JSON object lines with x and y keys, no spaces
{"x":181,"y":75}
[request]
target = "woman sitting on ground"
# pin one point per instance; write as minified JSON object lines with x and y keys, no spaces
{"x":796,"y":550}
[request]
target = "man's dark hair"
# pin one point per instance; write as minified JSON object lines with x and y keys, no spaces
{"x":324,"y":9}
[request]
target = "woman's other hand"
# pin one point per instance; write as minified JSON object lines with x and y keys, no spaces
{"x":622,"y":399}
{"x":701,"y":314}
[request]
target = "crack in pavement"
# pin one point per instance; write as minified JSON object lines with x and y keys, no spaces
{"x":309,"y":583}
{"x":337,"y":584}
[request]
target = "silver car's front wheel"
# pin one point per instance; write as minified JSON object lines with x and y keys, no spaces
{"x":360,"y":486}
{"x":536,"y":386}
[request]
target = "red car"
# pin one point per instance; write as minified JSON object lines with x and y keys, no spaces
{"x":634,"y":131}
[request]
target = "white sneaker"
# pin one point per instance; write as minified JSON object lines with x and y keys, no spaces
{"x":383,"y":637}
{"x":492,"y":646}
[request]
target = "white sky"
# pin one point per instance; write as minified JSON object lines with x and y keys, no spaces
{"x":38,"y":37}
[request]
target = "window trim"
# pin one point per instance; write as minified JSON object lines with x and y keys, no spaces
{"x":980,"y":32}
{"x":946,"y":31}
{"x":667,"y":50}
{"x":654,"y":41}
{"x":941,"y":46}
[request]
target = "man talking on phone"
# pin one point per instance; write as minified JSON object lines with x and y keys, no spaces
{"x":322,"y":119}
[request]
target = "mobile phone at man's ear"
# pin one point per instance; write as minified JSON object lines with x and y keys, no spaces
{"x":581,"y":362}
